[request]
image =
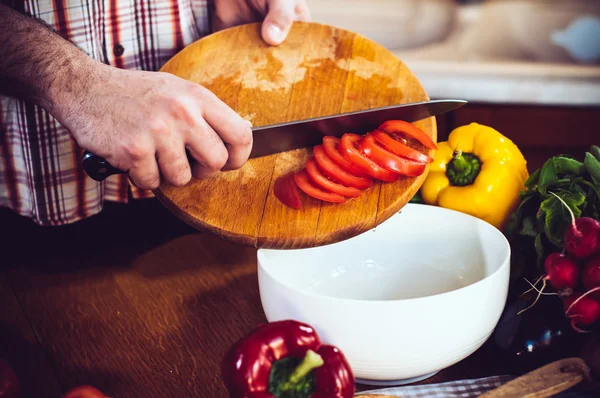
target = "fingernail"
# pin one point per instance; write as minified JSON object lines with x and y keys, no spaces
{"x":275,"y":33}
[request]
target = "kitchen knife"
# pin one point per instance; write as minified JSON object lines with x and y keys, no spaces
{"x":281,"y":137}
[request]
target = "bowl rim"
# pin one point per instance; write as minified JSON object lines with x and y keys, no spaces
{"x":505,"y":264}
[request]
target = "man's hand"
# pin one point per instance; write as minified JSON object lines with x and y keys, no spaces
{"x":142,"y":122}
{"x":277,"y":16}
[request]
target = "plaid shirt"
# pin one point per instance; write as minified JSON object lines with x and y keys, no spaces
{"x":40,"y":163}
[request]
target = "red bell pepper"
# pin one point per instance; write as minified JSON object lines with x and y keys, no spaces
{"x":286,"y":359}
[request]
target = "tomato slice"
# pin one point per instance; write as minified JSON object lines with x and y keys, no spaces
{"x":10,"y":386}
{"x":323,"y":182}
{"x":401,"y":127}
{"x":336,"y":172}
{"x":388,"y":160}
{"x":287,"y":191}
{"x":348,"y":148}
{"x":305,"y":184}
{"x":399,"y":148}
{"x":331,"y":145}
{"x":83,"y":392}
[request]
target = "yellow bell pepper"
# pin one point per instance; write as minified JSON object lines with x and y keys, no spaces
{"x":478,"y":171}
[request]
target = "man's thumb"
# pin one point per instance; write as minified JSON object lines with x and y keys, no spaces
{"x":278,"y":21}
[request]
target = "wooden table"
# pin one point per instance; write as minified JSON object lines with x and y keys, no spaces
{"x":133,"y":302}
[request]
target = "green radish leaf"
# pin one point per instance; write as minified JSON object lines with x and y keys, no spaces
{"x":567,"y":166}
{"x":595,"y":150}
{"x":532,"y":182}
{"x":529,"y":227}
{"x":515,"y":218}
{"x":539,"y":251}
{"x":557,"y":217}
{"x":593,"y":167}
{"x":547,"y":175}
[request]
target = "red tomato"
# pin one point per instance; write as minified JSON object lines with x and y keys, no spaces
{"x":312,"y":190}
{"x":9,"y":382}
{"x":388,"y":160}
{"x":348,"y":148}
{"x":83,"y":392}
{"x":401,"y":127}
{"x":325,"y":183}
{"x":399,"y":148}
{"x":331,"y":146}
{"x":336,"y":173}
{"x":287,"y":191}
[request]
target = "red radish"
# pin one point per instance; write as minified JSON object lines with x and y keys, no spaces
{"x":552,"y":259}
{"x":590,"y":276}
{"x":582,"y":238}
{"x":582,"y":309}
{"x":563,"y":274}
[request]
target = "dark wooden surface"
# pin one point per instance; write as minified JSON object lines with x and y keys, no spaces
{"x":138,"y":304}
{"x":137,"y":308}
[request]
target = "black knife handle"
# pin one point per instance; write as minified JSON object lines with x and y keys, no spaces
{"x":98,"y":168}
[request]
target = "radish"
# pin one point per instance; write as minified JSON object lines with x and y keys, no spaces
{"x":582,"y":238}
{"x":590,"y":276}
{"x":582,"y":309}
{"x":552,"y":259}
{"x":562,"y":273}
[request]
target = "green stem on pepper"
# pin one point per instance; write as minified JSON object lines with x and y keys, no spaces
{"x":311,"y":361}
{"x":463,"y":169}
{"x":296,"y":381}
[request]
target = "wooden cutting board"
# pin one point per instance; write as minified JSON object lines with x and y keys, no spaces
{"x":319,"y":70}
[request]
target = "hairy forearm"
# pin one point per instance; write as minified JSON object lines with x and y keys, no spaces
{"x":38,"y":65}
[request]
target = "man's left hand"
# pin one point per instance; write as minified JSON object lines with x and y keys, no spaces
{"x":277,"y":16}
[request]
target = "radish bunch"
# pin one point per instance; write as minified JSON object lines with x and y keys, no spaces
{"x":575,"y":272}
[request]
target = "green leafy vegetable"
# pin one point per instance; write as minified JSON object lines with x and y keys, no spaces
{"x":540,"y":219}
{"x":592,"y":165}
{"x":556,"y":216}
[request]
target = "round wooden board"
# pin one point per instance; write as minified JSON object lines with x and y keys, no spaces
{"x":319,"y":70}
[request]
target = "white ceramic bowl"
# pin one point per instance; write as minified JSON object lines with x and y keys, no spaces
{"x":417,"y":294}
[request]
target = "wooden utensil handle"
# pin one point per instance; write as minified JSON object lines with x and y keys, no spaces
{"x":546,"y":381}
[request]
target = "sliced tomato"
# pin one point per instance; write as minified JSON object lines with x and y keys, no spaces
{"x":331,"y":145}
{"x":83,"y":392}
{"x":399,"y":148}
{"x":336,"y":172}
{"x":349,"y":149}
{"x":401,"y":127}
{"x":388,"y":160}
{"x":9,"y":381}
{"x":287,"y":191}
{"x":306,"y":185}
{"x":323,"y":182}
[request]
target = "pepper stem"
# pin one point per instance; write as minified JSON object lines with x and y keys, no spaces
{"x":463,"y":169}
{"x":311,"y":361}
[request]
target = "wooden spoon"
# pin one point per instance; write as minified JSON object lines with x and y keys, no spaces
{"x":546,"y":381}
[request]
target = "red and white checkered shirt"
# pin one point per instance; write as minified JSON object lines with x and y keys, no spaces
{"x":40,"y":163}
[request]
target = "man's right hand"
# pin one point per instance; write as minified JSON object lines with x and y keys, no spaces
{"x":142,"y":123}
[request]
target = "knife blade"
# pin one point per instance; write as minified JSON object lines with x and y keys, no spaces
{"x":282,"y":137}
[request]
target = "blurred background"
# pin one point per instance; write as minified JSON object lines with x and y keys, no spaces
{"x":529,"y":68}
{"x":504,"y":51}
